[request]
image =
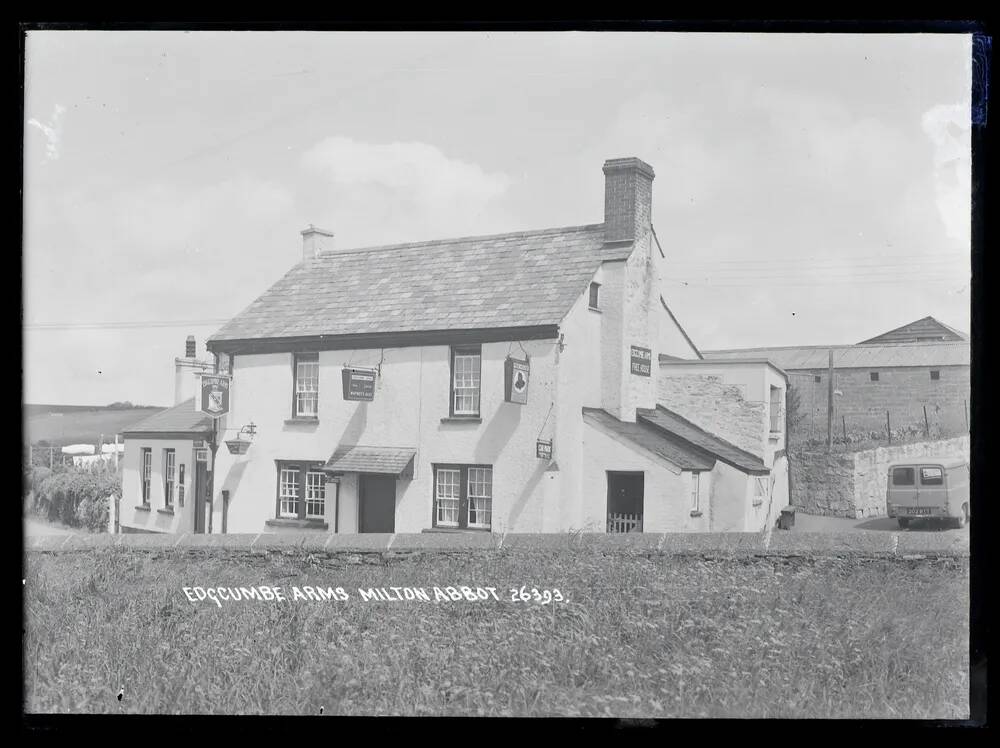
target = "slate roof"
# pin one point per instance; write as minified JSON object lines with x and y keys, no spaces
{"x":927,"y":329}
{"x":654,"y":440}
{"x":855,"y":356}
{"x":360,"y":459}
{"x":694,"y":436}
{"x":181,"y":418}
{"x":507,"y":280}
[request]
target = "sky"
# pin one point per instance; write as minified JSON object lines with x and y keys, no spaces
{"x":810,"y":189}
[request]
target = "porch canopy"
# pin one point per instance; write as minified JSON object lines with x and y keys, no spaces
{"x":355,"y":458}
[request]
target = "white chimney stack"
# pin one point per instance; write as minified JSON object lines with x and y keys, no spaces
{"x":315,"y":241}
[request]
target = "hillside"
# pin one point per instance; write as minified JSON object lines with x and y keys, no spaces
{"x":78,"y":424}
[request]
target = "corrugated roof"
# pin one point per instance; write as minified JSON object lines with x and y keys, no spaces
{"x":927,"y":329}
{"x":856,"y":356}
{"x":682,"y":429}
{"x":654,"y":440}
{"x":181,"y":418}
{"x":359,"y":459}
{"x":506,"y":280}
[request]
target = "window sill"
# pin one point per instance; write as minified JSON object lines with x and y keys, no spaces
{"x":758,"y":502}
{"x":164,"y":511}
{"x":594,"y":309}
{"x":302,"y":524}
{"x":143,"y":507}
{"x":462,"y":419}
{"x":695,"y":513}
{"x":301,"y":419}
{"x":774,"y":435}
{"x":458,"y":529}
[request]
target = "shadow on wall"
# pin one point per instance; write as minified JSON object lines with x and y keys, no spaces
{"x":232,"y":480}
{"x":517,"y":508}
{"x":355,"y":427}
{"x":497,"y":433}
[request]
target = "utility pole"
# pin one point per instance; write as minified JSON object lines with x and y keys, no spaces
{"x":829,"y":405}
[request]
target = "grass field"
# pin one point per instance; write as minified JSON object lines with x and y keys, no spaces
{"x":635,"y":637}
{"x":70,"y":424}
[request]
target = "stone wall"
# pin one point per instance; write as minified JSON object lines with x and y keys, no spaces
{"x":853,"y":484}
{"x":716,"y":407}
{"x":903,"y":391}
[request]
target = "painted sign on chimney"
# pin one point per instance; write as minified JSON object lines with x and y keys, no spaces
{"x":515,"y":380}
{"x":359,"y":384}
{"x":214,"y":400}
{"x":641,"y":360}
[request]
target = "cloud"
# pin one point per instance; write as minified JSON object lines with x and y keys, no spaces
{"x":52,"y":131}
{"x":402,"y":191}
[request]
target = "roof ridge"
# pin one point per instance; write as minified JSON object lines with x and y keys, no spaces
{"x":459,"y":240}
{"x":693,"y":425}
{"x":840,"y":346}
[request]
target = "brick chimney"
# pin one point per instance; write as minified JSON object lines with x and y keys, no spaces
{"x":628,"y":199}
{"x":189,"y":347}
{"x":315,"y":241}
{"x":186,"y":370}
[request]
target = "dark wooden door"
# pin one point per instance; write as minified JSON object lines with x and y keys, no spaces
{"x":200,"y":495}
{"x":377,"y":503}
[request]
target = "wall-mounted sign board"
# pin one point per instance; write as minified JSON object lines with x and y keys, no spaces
{"x":515,"y":380}
{"x":359,"y":384}
{"x":214,"y":397}
{"x":543,"y":449}
{"x":641,"y":360}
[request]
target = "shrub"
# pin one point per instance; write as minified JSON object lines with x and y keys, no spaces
{"x":78,"y":497}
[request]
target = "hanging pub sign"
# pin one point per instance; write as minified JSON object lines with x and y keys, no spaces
{"x":515,"y":380}
{"x":543,"y":449}
{"x":641,"y":360}
{"x":359,"y":384}
{"x":214,"y":400}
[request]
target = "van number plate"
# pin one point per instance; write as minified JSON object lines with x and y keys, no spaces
{"x":919,"y":510}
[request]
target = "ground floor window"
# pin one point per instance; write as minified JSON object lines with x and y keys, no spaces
{"x":147,"y":468}
{"x":463,"y":496}
{"x":301,"y":490}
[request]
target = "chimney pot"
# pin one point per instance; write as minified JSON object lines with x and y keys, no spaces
{"x":315,"y":241}
{"x":189,"y":347}
{"x":628,"y":199}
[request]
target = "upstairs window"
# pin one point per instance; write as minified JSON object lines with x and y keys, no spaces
{"x":595,"y":289}
{"x":305,"y":400}
{"x":776,"y":410}
{"x":465,"y":380}
{"x":873,"y":376}
{"x":935,"y":374}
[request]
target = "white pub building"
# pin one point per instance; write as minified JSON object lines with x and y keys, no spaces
{"x":527,"y":382}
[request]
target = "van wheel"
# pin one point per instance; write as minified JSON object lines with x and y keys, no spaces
{"x":904,"y":522}
{"x":962,"y":519}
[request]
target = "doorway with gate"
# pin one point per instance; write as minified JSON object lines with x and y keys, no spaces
{"x":376,"y":503}
{"x":625,"y":500}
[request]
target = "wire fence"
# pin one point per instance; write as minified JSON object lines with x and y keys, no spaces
{"x":857,"y":426}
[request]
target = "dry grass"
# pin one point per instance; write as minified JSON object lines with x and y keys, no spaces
{"x":638,"y":637}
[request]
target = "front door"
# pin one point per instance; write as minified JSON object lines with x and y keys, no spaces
{"x":377,"y":503}
{"x":625,"y":500}
{"x":200,"y":494}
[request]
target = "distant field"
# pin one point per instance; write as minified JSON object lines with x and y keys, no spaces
{"x":75,"y":424}
{"x":633,"y":637}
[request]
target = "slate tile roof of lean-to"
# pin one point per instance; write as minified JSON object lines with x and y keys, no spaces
{"x":182,"y":418}
{"x":525,"y":279}
{"x":359,"y":459}
{"x":687,"y":432}
{"x":653,"y":439}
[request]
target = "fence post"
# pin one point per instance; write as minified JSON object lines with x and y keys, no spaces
{"x":966,"y":414}
{"x":843,"y":420}
{"x":927,"y":424}
{"x":888,"y":426}
{"x":52,"y":453}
